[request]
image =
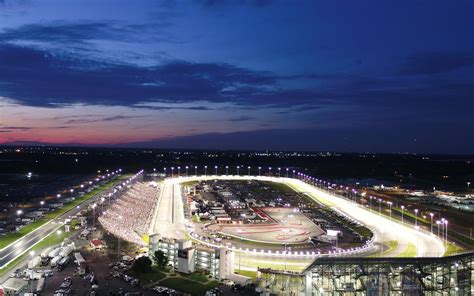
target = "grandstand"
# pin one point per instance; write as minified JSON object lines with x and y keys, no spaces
{"x":130,"y":216}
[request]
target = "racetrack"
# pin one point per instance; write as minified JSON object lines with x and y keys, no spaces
{"x":169,"y":219}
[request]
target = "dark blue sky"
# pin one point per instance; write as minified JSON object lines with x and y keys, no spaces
{"x":380,"y":76}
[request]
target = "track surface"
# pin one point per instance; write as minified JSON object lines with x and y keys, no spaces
{"x":170,"y":217}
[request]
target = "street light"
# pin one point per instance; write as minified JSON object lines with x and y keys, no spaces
{"x":416,"y":217}
{"x":205,"y":170}
{"x":431,"y":223}
{"x":172,"y":172}
{"x":468,"y":184}
{"x":270,"y":171}
{"x":248,"y":170}
{"x":287,"y":169}
{"x":215,"y":169}
{"x":446,"y":229}
{"x":179,"y":171}
{"x":187,"y":170}
{"x":227,"y":170}
{"x":195,"y":170}
{"x":238,"y":170}
{"x":259,"y":169}
{"x":417,"y":228}
{"x":279,"y":169}
{"x":390,"y":206}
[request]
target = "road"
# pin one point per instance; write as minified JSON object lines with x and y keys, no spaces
{"x":15,"y":249}
{"x":170,"y":221}
{"x":169,"y":218}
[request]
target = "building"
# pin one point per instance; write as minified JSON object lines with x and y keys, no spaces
{"x":13,"y":286}
{"x":326,"y":276}
{"x":185,"y":257}
{"x":97,"y":244}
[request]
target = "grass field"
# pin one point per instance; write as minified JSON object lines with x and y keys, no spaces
{"x":389,"y":246}
{"x":251,"y":274}
{"x":12,"y":237}
{"x":453,"y":249}
{"x":411,"y":215}
{"x":188,"y":286}
{"x":410,"y":251}
{"x":149,"y":277}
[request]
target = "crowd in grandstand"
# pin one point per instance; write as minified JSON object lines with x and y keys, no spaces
{"x":129,"y":217}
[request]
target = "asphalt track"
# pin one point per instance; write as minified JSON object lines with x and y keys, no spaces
{"x":20,"y":246}
{"x":170,"y":222}
{"x":169,"y":217}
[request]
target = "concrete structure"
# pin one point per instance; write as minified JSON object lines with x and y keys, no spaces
{"x":186,"y":258}
{"x":328,"y":276}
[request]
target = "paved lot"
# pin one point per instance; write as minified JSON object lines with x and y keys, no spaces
{"x":287,"y":227}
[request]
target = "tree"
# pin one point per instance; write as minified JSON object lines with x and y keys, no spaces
{"x":161,"y":259}
{"x":142,"y":265}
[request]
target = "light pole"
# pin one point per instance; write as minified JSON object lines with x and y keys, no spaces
{"x":370,"y":202}
{"x":279,"y":169}
{"x":446,"y":229}
{"x":227,"y":170}
{"x":248,"y":170}
{"x":417,"y":228}
{"x":259,"y":171}
{"x":172,"y":172}
{"x":416,"y":217}
{"x":468,"y":184}
{"x":215,"y":168}
{"x":294,"y":174}
{"x":431,"y":223}
{"x":164,"y":171}
{"x":402,"y":207}
{"x":390,"y":206}
{"x":270,"y":171}
{"x":179,"y":171}
{"x":380,"y":206}
{"x":287,"y":172}
{"x":187,"y":170}
{"x":93,"y":215}
{"x":195,"y":170}
{"x":239,"y":231}
{"x":238,"y":170}
{"x":205,"y":170}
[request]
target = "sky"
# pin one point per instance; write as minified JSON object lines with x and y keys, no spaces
{"x":348,"y":76}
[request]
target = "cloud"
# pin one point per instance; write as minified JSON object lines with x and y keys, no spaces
{"x":104,"y":119}
{"x":428,"y":63}
{"x":347,"y":139}
{"x":212,"y":3}
{"x":35,"y":77}
{"x":24,"y":73}
{"x":6,"y":128}
{"x":79,"y":34}
{"x":241,"y":118}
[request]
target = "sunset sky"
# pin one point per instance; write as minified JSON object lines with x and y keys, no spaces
{"x":379,"y":76}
